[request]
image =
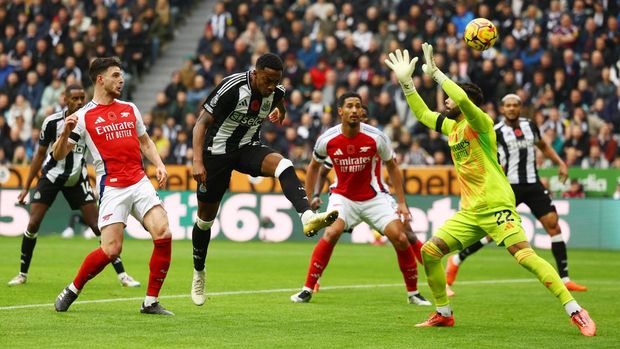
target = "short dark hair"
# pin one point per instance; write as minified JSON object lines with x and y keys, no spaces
{"x":346,"y":95}
{"x":269,"y":60}
{"x":473,"y":92}
{"x":99,"y":65}
{"x":72,"y":87}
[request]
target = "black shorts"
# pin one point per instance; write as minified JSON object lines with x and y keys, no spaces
{"x":77,"y":195}
{"x":247,"y":159}
{"x":535,"y":196}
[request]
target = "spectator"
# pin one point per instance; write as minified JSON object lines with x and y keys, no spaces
{"x":20,"y":117}
{"x":594,"y":159}
{"x":180,"y":107}
{"x":198,"y":93}
{"x":162,"y":144}
{"x":220,"y":20}
{"x":180,"y":148}
{"x":32,"y":90}
{"x":416,"y":155}
{"x":271,"y":138}
{"x":575,"y":190}
{"x":161,"y":110}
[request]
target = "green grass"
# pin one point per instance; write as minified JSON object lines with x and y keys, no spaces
{"x":516,"y":312}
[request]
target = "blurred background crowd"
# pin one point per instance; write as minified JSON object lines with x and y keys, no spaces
{"x":561,"y":57}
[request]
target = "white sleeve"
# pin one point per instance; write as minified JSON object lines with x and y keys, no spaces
{"x":140,"y":128}
{"x":320,"y":150}
{"x":384,"y":148}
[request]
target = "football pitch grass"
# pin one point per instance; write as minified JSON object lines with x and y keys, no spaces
{"x":361,"y":304}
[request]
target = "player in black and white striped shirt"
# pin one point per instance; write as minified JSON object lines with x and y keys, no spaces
{"x":68,"y":176}
{"x":226,"y":138}
{"x":517,"y":140}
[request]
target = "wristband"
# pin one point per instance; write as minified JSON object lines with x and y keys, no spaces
{"x":408,"y":87}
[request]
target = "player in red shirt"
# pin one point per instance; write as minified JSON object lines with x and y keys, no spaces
{"x":356,"y":149}
{"x":115,"y":135}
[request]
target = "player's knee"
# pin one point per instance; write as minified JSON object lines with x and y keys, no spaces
{"x":161,"y":232}
{"x":204,"y":225}
{"x":112,"y":249}
{"x":34,"y":226}
{"x":282,"y":165}
{"x":523,"y":254}
{"x":400,"y":241}
{"x":431,"y":253}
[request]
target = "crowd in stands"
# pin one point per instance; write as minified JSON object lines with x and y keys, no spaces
{"x":561,"y":57}
{"x":46,"y":45}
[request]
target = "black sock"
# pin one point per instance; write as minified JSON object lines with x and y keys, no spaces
{"x":294,"y":190}
{"x":118,"y":265}
{"x":470,"y":250}
{"x":200,"y":242}
{"x":29,"y":240}
{"x":558,"y":249}
{"x":74,"y":220}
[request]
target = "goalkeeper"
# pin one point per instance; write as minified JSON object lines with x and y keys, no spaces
{"x":487,"y":200}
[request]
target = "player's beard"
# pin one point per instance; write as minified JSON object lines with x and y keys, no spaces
{"x":453,"y":113}
{"x":113,"y":92}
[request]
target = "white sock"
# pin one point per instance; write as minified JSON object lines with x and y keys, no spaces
{"x":572,"y":307}
{"x":307,"y":289}
{"x":412,"y":293}
{"x":445,"y":310}
{"x":23,"y":274}
{"x":74,"y":289}
{"x":149,"y":300}
{"x":306,"y":216}
{"x":557,"y":238}
{"x":565,"y":279}
{"x":456,"y":259}
{"x":484,"y":240}
{"x":122,"y":275}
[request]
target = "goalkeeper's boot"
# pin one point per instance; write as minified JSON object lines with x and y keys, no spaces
{"x":418,"y":299}
{"x":573,"y":286}
{"x":451,"y":270}
{"x":582,"y":320}
{"x":155,"y":309}
{"x":64,"y":300}
{"x":20,"y":279}
{"x":198,"y":287}
{"x":302,"y":297}
{"x":127,"y":281}
{"x":314,"y":222}
{"x":437,"y":320}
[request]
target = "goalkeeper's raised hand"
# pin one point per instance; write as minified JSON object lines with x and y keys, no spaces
{"x":430,"y":68}
{"x":399,"y":62}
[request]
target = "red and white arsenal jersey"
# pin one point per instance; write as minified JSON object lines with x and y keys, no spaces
{"x":356,"y":160}
{"x":111,"y":133}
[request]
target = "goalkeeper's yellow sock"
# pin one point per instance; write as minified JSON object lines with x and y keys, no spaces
{"x":435,"y":275}
{"x":545,"y":273}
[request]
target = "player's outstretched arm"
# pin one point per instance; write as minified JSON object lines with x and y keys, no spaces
{"x":311,"y":176}
{"x":399,"y":62}
{"x":475,"y":116}
{"x":150,"y":152}
{"x":204,"y":120}
{"x":396,"y":178}
{"x":62,"y":147}
{"x":316,"y":201}
{"x":35,"y":167}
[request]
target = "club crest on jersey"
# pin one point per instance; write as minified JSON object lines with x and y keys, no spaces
{"x":350,"y":149}
{"x":266,"y":106}
{"x":111,"y":116}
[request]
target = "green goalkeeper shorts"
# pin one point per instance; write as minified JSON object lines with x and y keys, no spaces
{"x":468,"y":227}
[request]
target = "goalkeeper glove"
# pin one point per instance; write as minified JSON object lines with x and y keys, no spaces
{"x":430,"y":68}
{"x":399,"y":62}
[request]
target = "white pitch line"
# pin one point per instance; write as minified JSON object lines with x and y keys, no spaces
{"x":280,"y":290}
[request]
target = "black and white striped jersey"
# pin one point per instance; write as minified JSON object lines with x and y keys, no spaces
{"x":238,"y":112}
{"x":66,"y":172}
{"x":516,"y":148}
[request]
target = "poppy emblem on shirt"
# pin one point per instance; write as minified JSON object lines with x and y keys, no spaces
{"x":255,"y":105}
{"x":350,"y":149}
{"x":518,"y":132}
{"x":111,"y":116}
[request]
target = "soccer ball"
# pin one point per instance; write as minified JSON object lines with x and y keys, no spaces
{"x":480,"y":34}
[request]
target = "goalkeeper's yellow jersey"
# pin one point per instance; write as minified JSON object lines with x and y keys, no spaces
{"x":473,"y":147}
